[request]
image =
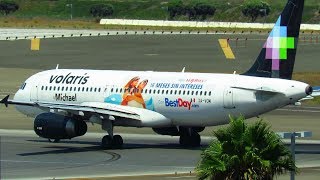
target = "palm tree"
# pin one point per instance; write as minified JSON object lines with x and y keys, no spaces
{"x":243,"y":151}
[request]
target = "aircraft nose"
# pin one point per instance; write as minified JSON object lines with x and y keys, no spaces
{"x":309,"y":90}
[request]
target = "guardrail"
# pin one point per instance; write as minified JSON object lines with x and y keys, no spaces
{"x":199,"y":24}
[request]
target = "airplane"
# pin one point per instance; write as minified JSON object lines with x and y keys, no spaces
{"x":181,"y":104}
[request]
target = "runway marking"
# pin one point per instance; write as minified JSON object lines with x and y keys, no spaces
{"x":225,"y":46}
{"x":151,"y":54}
{"x":35,"y":44}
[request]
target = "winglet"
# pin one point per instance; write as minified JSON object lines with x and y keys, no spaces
{"x":5,"y":100}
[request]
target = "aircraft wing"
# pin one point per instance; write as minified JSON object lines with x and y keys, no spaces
{"x":100,"y":109}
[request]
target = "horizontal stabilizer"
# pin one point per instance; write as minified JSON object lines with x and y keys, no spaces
{"x":5,"y":101}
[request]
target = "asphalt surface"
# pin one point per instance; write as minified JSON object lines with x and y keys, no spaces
{"x":198,"y":53}
{"x":26,"y":156}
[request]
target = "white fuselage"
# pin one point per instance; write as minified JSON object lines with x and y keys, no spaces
{"x":187,"y":99}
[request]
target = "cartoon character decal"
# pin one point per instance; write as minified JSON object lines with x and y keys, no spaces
{"x":132,"y":95}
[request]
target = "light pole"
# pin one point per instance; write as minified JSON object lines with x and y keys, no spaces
{"x":292,"y":136}
{"x":70,"y":5}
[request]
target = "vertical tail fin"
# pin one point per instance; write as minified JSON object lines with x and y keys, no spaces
{"x":276,"y":59}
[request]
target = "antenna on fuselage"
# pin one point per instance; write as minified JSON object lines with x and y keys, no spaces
{"x":183,"y":69}
{"x":57,"y":67}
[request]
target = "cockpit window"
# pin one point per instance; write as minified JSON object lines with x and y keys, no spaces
{"x":23,"y":86}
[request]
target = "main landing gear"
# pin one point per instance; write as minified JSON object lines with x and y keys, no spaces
{"x":110,"y":141}
{"x":189,"y":137}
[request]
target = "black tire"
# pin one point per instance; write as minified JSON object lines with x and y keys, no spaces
{"x":183,"y":140}
{"x":106,"y":142}
{"x":190,"y":141}
{"x":117,"y":141}
{"x":195,"y":140}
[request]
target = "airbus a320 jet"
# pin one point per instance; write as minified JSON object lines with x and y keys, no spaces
{"x":181,"y":104}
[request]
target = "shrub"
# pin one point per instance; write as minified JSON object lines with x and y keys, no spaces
{"x":203,"y":10}
{"x":255,"y":8}
{"x":101,"y":10}
{"x":175,"y":8}
{"x":7,"y":7}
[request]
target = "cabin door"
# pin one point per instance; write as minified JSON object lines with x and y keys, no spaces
{"x":228,"y":98}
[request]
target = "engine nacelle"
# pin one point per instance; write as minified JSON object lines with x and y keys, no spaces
{"x":55,"y":126}
{"x":174,"y":131}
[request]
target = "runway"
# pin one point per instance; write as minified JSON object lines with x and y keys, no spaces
{"x":26,"y":156}
{"x":198,"y":53}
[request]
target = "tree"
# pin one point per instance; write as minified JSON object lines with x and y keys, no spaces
{"x":255,"y":8}
{"x":203,"y":10}
{"x":7,"y":7}
{"x":190,"y":11}
{"x":244,"y":151}
{"x":101,"y":10}
{"x":175,"y":8}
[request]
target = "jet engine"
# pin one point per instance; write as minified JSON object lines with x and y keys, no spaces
{"x":55,"y":126}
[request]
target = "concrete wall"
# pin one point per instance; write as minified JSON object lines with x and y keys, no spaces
{"x":199,"y":24}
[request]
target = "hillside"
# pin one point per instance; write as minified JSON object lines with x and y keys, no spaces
{"x":148,"y":9}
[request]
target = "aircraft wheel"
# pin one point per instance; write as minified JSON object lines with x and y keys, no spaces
{"x":117,"y":141}
{"x":195,"y":140}
{"x":183,"y":140}
{"x":106,"y":142}
{"x":190,"y":141}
